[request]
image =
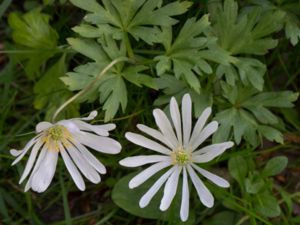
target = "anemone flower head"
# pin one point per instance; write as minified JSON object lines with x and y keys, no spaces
{"x":69,"y":138}
{"x":180,"y":153}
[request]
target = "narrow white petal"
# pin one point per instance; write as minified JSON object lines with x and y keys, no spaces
{"x":98,"y":143}
{"x":24,"y":151}
{"x":140,"y":160}
{"x":145,"y":200}
{"x":147,"y":143}
{"x":88,"y":127}
{"x":184,"y":207}
{"x":147,"y":173}
{"x":170,"y":189}
{"x":91,"y":116}
{"x":200,"y":124}
{"x":43,"y":176}
{"x":165,"y":126}
{"x":212,"y":177}
{"x":155,"y":134}
{"x":205,"y":133}
{"x":175,"y":115}
{"x":86,"y":169}
{"x":36,"y":167}
{"x":76,"y":176}
{"x":90,"y":158}
{"x":210,"y":152}
{"x":31,"y":160}
{"x":70,"y":125}
{"x":186,"y":109}
{"x":204,"y":194}
{"x":42,"y":126}
{"x":15,"y":152}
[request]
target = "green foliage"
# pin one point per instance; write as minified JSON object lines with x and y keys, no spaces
{"x":36,"y":37}
{"x":245,"y":114}
{"x":275,"y":166}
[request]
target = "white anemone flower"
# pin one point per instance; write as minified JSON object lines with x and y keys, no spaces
{"x":70,"y":138}
{"x":179,"y":148}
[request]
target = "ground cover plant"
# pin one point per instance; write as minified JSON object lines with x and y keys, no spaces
{"x":200,"y":96}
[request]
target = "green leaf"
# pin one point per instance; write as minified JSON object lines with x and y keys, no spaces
{"x":267,"y":205}
{"x":128,"y":200}
{"x":275,"y":166}
{"x":254,"y":183}
{"x":50,"y":92}
{"x":222,"y":218}
{"x":182,"y":56}
{"x":238,"y":168}
{"x":136,"y":17}
{"x":270,"y":133}
{"x":36,"y":39}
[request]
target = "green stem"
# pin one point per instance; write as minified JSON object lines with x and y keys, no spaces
{"x":68,"y":219}
{"x":89,"y":86}
{"x":128,"y":46}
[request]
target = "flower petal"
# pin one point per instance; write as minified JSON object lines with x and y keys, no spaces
{"x":43,"y":176}
{"x":170,"y":189}
{"x":98,"y":143}
{"x":155,"y":134}
{"x":42,"y":126}
{"x":145,"y":200}
{"x":24,"y":151}
{"x":212,"y":177}
{"x":205,"y":133}
{"x":147,"y":173}
{"x":76,"y":176}
{"x":98,"y":129}
{"x":184,"y":207}
{"x":140,"y":160}
{"x":210,"y":152}
{"x":31,"y":160}
{"x":204,"y":194}
{"x":86,"y":169}
{"x":175,"y":115}
{"x":36,"y":167}
{"x":165,"y":127}
{"x":146,"y":143}
{"x":200,"y":124}
{"x":186,"y":111}
{"x":91,"y":116}
{"x":90,"y":158}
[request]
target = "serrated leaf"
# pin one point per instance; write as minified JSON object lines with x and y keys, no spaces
{"x":275,"y":166}
{"x":136,"y":17}
{"x":270,"y":133}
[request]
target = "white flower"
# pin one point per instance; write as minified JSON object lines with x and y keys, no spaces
{"x":180,"y":152}
{"x":69,"y":138}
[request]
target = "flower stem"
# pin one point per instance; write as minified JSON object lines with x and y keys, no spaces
{"x":68,"y":219}
{"x":128,"y":45}
{"x":89,"y":86}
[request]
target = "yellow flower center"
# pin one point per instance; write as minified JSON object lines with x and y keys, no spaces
{"x":181,"y":156}
{"x":56,"y":135}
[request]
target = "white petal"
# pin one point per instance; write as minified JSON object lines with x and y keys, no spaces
{"x":210,"y":152}
{"x":186,"y":109}
{"x":146,"y":143}
{"x":90,"y":158}
{"x":24,"y":151}
{"x":175,"y":115}
{"x":91,"y":116}
{"x":147,"y":173}
{"x":70,"y":125}
{"x":43,"y":176}
{"x":140,"y":160}
{"x":165,"y":127}
{"x":36,"y":167}
{"x":98,"y":143}
{"x":204,"y":194}
{"x":212,"y":177}
{"x":86,"y":169}
{"x":200,"y":124}
{"x":15,"y":152}
{"x":156,"y":134}
{"x":184,"y":207}
{"x":31,"y":160}
{"x":145,"y":200}
{"x":76,"y":176}
{"x":42,"y":126}
{"x":205,"y":133}
{"x":88,"y":127}
{"x":170,"y":189}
